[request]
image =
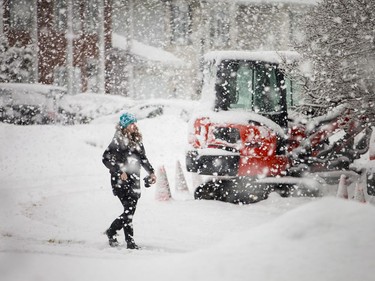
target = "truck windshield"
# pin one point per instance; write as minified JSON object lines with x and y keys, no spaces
{"x":251,"y":86}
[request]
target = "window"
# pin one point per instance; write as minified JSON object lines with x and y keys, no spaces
{"x":296,"y":19}
{"x":249,"y":86}
{"x":1,"y":18}
{"x":293,"y":90}
{"x":92,"y":69}
{"x":244,"y":88}
{"x":61,"y":78}
{"x":21,"y":14}
{"x":181,"y":22}
{"x":266,"y":93}
{"x":260,"y":26}
{"x":61,"y":15}
{"x":91,"y":16}
{"x":220,"y":27}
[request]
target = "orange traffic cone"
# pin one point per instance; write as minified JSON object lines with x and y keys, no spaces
{"x":342,"y":191}
{"x":180,"y":181}
{"x":359,"y":195}
{"x":163,"y":192}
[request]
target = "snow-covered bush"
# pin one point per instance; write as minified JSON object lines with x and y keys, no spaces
{"x":16,"y":63}
{"x":339,"y":44}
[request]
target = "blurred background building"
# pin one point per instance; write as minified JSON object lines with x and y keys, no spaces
{"x":141,"y":48}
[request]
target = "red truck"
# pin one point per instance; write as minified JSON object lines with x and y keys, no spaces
{"x":248,"y":139}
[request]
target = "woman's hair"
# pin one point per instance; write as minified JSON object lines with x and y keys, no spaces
{"x":133,"y":138}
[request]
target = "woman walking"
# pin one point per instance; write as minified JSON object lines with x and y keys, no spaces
{"x":124,"y":158}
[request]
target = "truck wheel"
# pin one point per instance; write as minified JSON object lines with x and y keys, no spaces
{"x":241,"y":191}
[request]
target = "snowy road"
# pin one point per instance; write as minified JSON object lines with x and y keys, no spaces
{"x":56,"y":201}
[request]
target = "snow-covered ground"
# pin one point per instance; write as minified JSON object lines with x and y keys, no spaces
{"x":56,"y":201}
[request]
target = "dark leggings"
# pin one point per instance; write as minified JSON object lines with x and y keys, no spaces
{"x":125,"y":220}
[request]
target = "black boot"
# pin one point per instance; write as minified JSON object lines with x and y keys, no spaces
{"x":111,"y":239}
{"x":131,"y":245}
{"x":111,"y":232}
{"x":128,"y":231}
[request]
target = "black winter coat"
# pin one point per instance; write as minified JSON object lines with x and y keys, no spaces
{"x":119,"y":158}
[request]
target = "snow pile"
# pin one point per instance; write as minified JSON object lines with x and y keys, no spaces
{"x":94,"y":105}
{"x":99,"y":106}
{"x":154,"y":107}
{"x":330,"y":239}
{"x":29,"y":94}
{"x":24,"y":87}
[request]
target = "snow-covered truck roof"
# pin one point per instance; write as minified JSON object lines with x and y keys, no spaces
{"x":266,"y":56}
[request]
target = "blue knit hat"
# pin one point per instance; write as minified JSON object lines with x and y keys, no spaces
{"x":126,"y":119}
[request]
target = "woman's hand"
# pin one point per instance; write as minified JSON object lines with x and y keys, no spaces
{"x":124,"y":176}
{"x":153,"y":178}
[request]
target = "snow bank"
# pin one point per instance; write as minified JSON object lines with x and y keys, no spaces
{"x":29,"y":94}
{"x":103,"y":107}
{"x":95,"y":105}
{"x":330,"y":239}
{"x":24,"y":87}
